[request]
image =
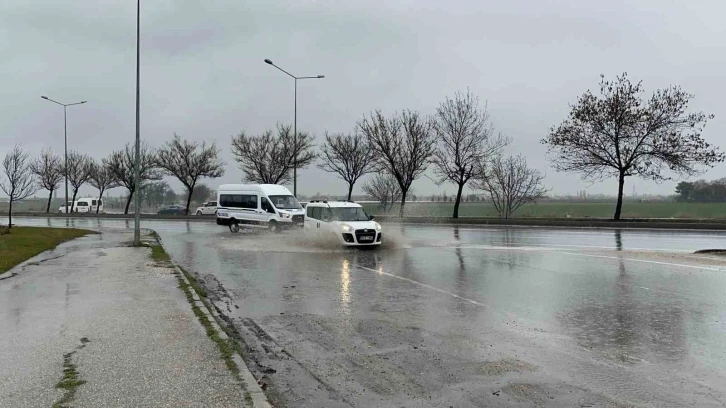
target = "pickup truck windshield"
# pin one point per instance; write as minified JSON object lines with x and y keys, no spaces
{"x":285,"y":202}
{"x":349,"y":214}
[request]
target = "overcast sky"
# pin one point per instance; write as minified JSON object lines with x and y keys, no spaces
{"x":203,"y":75}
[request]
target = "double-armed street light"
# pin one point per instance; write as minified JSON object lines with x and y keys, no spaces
{"x":65,"y":142}
{"x":294,"y":169}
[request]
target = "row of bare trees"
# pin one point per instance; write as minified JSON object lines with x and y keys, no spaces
{"x":458,"y":140}
{"x":617,"y":134}
{"x":187,"y":161}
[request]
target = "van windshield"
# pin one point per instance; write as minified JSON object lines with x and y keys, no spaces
{"x":349,"y":214}
{"x":285,"y":202}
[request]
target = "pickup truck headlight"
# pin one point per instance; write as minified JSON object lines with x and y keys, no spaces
{"x":346,"y":228}
{"x":378,"y":227}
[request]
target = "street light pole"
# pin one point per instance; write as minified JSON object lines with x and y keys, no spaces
{"x":294,"y":137}
{"x":65,"y":144}
{"x":294,"y":144}
{"x":137,"y":169}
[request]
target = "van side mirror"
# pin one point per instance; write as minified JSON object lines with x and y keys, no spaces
{"x":371,"y":217}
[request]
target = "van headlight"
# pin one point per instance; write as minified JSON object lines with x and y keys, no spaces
{"x":346,"y":228}
{"x":284,"y":214}
{"x":378,"y":227}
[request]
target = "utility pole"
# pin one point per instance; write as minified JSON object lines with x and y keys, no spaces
{"x":137,"y":158}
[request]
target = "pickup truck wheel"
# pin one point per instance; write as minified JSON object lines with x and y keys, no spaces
{"x":234,"y":227}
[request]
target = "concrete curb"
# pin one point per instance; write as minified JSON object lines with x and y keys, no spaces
{"x":259,"y":399}
{"x":249,"y":382}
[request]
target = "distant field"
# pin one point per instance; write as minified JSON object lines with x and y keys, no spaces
{"x":561,"y":210}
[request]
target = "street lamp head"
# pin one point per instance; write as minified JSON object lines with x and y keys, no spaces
{"x":268,"y":61}
{"x":84,"y":101}
{"x":44,"y":97}
{"x":321,"y":76}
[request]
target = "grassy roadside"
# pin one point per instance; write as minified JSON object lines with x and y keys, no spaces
{"x":23,"y":243}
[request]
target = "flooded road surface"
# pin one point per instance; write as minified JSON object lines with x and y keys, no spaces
{"x":468,"y":317}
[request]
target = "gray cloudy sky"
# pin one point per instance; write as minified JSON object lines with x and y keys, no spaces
{"x":203,"y":74}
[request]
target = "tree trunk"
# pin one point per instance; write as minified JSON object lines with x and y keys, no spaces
{"x":73,"y":202}
{"x":98,"y":203}
{"x":619,"y":205}
{"x":50,"y":197}
{"x":10,"y":214}
{"x":350,"y":191}
{"x":189,"y":199}
{"x":128,"y":202}
{"x":403,"y":202}
{"x":458,"y":200}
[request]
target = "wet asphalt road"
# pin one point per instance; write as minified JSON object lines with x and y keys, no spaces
{"x":466,"y":316}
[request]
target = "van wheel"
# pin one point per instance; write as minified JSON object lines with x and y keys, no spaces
{"x":273,"y":227}
{"x":234,"y":227}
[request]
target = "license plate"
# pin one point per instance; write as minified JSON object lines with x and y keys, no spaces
{"x":221,"y":214}
{"x":365,"y":238}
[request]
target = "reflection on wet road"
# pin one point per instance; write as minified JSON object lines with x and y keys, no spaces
{"x":453,"y":315}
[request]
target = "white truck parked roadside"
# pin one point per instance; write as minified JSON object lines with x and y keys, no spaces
{"x":345,"y":220}
{"x":268,"y":206}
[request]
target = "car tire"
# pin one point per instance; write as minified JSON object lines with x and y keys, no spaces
{"x":273,"y":227}
{"x":199,"y":213}
{"x":234,"y":227}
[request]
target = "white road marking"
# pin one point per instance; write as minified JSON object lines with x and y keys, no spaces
{"x":644,"y":261}
{"x":381,"y":272}
{"x":556,"y":247}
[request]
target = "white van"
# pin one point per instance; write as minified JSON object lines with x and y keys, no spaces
{"x":345,"y":220}
{"x":262,"y":205}
{"x":84,"y":205}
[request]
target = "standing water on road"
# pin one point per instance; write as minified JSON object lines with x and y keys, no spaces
{"x":467,"y":316}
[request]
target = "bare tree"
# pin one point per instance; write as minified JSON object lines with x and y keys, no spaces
{"x":78,"y":172}
{"x":269,"y":158}
{"x":203,"y":193}
{"x":19,"y":182}
{"x":48,"y":171}
{"x":190,"y":161}
{"x":510,"y":183}
{"x":158,"y":193}
{"x":384,"y":189}
{"x":618,"y":134}
{"x":403,"y":145}
{"x":465,"y":138}
{"x":349,"y":156}
{"x":121,"y":164}
{"x":102,"y":178}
